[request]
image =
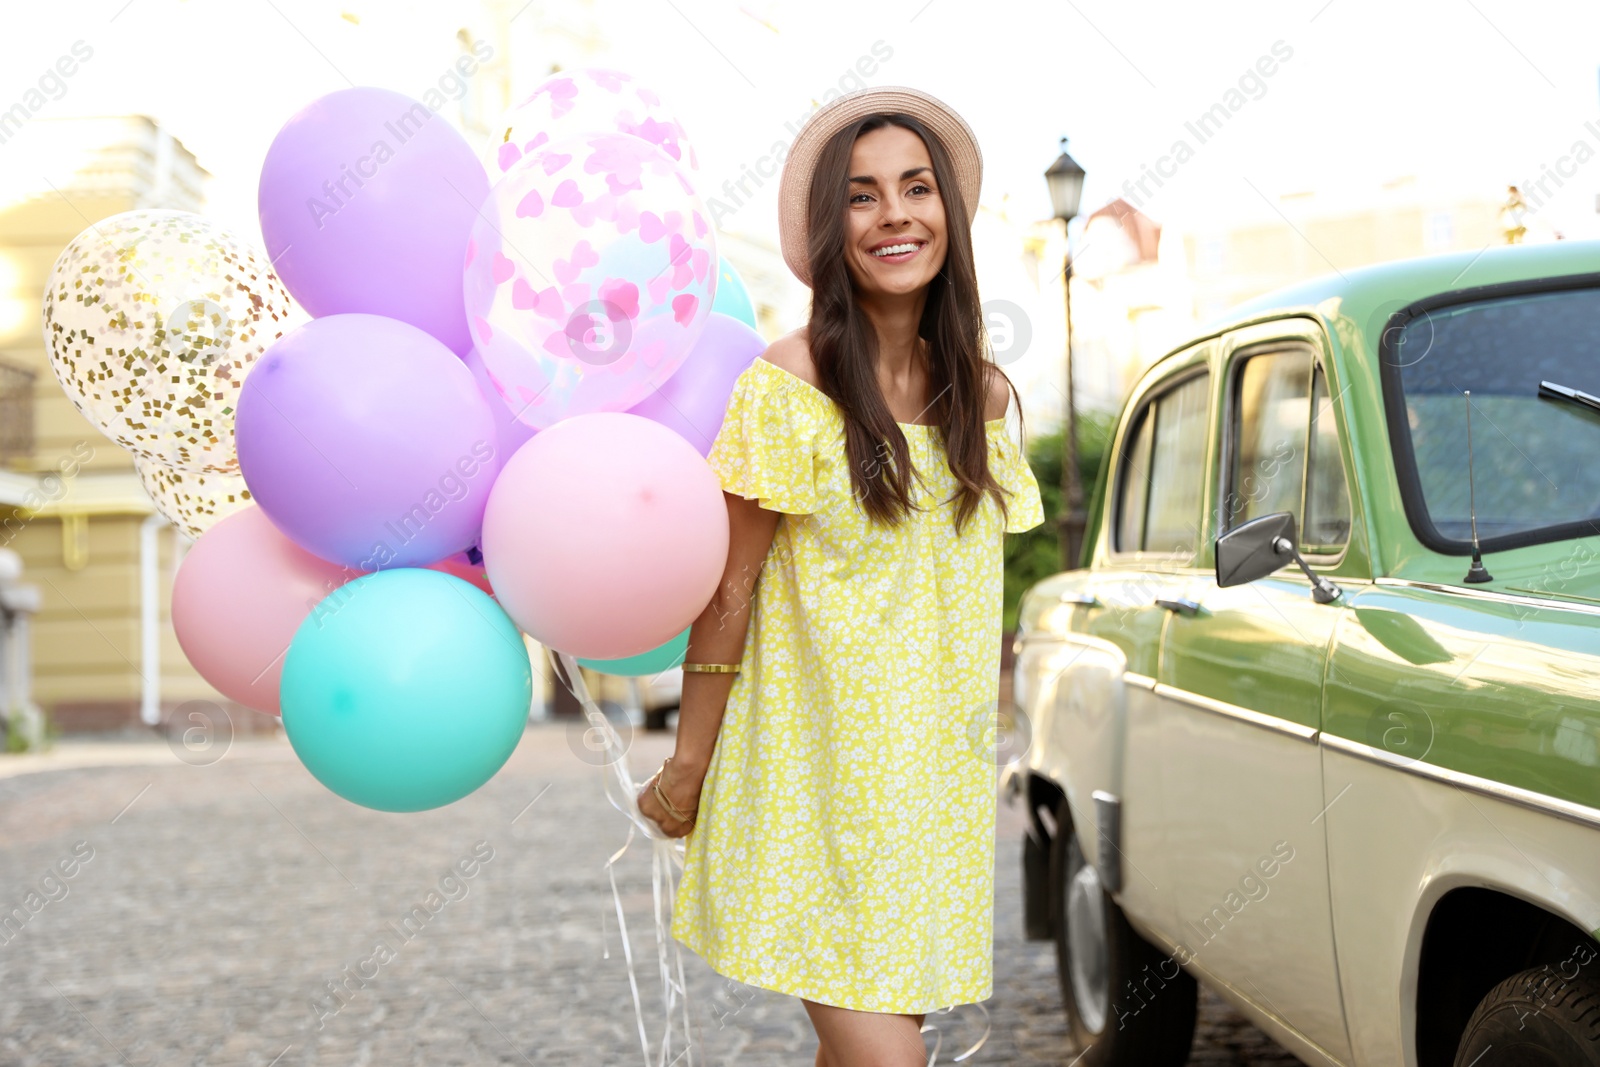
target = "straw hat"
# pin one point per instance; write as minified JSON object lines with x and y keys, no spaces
{"x":794,"y":187}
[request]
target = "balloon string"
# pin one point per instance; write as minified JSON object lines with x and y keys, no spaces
{"x":938,"y":1038}
{"x":627,"y":947}
{"x":666,"y":853}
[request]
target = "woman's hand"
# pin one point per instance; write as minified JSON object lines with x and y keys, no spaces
{"x":682,"y":787}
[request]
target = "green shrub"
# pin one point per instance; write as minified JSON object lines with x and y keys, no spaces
{"x":1036,"y":554}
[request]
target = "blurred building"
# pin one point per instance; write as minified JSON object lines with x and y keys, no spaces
{"x":1130,"y":303}
{"x":71,"y":505}
{"x":1321,"y":231}
{"x":1130,"y":300}
{"x":782,"y":304}
{"x":1139,"y":288}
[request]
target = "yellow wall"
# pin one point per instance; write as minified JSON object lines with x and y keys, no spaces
{"x":86,"y":642}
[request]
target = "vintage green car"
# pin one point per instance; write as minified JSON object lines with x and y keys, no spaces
{"x":1291,"y":735}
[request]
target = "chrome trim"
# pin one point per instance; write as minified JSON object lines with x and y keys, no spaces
{"x":1511,"y":794}
{"x":1181,"y":605}
{"x":1234,"y":711}
{"x":1490,"y":594}
{"x":1108,"y":825}
{"x":1087,"y":600}
{"x":1143,"y":681}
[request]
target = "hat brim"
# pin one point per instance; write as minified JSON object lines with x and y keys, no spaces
{"x":794,"y":187}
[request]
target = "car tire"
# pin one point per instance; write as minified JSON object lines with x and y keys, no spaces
{"x":1129,"y":1005}
{"x":1535,"y":1019}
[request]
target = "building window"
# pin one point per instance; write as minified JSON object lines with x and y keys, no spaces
{"x":1439,"y":231}
{"x":16,"y":414}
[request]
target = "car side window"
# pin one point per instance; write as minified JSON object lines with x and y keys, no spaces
{"x":1284,"y":449}
{"x":1133,"y":483}
{"x":1162,"y":474}
{"x":1326,"y":528}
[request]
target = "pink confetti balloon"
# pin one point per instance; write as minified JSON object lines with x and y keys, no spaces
{"x":587,"y":100}
{"x":589,"y":277}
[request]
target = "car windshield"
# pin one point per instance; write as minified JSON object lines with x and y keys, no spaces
{"x":1534,"y":458}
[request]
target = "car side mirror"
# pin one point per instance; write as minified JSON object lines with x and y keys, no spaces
{"x":1257,"y":548}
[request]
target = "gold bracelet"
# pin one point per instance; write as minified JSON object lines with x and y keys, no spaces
{"x":712,"y":668}
{"x":661,"y":798}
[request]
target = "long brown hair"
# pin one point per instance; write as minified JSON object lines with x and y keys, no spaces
{"x":844,"y":345}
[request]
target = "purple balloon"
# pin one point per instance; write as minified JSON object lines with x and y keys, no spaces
{"x":694,"y":400}
{"x":367,"y":200}
{"x":367,"y":443}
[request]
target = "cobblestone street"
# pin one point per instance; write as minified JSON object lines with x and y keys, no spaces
{"x":210,"y":906}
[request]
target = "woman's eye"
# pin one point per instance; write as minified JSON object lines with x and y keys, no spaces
{"x":919,"y":185}
{"x":854,"y":198}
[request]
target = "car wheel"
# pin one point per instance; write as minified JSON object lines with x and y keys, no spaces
{"x":1535,"y":1019}
{"x":1127,"y":1002}
{"x":655,"y":719}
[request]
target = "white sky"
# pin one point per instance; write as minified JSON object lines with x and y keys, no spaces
{"x":1472,"y":94}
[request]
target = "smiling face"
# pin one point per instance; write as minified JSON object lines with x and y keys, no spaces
{"x":893,"y":204}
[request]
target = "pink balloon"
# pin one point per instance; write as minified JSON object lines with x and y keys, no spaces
{"x":605,"y":535}
{"x":240,"y":594}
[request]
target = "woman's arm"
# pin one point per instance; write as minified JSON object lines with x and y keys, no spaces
{"x":717,"y":636}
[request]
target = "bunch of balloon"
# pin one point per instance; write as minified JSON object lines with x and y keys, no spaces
{"x":509,"y":380}
{"x":494,"y":424}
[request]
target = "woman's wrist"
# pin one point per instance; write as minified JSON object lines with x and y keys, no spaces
{"x":689,"y":766}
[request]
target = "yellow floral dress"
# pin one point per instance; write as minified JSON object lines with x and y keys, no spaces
{"x":844,"y":850}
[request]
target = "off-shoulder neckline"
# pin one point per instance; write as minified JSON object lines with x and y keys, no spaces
{"x":1000,"y":422}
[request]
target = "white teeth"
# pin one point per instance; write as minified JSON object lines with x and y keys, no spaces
{"x":894,"y":250}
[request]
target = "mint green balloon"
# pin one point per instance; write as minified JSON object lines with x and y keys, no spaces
{"x":658,"y":659}
{"x":406,"y":689}
{"x":732,"y":298}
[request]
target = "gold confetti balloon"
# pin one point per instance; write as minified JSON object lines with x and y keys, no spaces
{"x":193,"y":502}
{"x":152,"y":320}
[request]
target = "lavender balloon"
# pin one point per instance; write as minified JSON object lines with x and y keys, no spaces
{"x":366,"y":201}
{"x":368,"y":443}
{"x":694,"y":400}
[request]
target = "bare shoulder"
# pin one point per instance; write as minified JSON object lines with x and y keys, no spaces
{"x":792,"y":352}
{"x":999,"y":396}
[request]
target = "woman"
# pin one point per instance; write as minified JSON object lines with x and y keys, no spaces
{"x":834,"y":778}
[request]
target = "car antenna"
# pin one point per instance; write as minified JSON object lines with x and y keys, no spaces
{"x":1477,"y":572}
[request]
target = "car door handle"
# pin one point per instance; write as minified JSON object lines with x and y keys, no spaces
{"x":1087,"y":600}
{"x":1180,"y":604}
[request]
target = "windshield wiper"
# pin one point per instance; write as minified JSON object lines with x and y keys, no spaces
{"x":1552,"y":391}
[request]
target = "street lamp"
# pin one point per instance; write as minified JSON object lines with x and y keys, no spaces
{"x":1065,"y":179}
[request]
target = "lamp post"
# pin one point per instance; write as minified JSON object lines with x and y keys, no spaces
{"x":1065,"y":179}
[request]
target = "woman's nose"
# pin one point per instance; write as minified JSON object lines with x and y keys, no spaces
{"x":894,"y":209}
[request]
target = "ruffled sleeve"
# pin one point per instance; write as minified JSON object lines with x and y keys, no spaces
{"x":1011,"y":470}
{"x":765,"y":449}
